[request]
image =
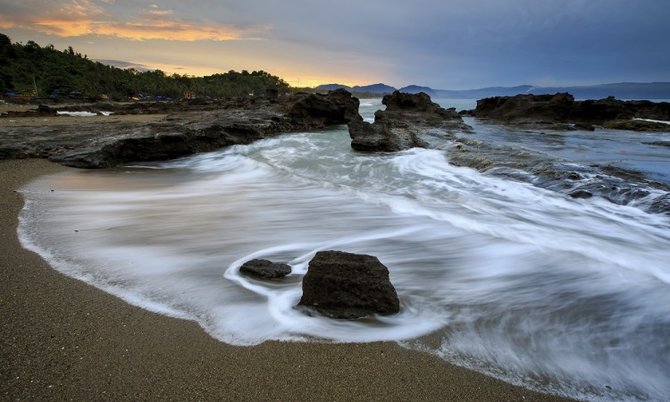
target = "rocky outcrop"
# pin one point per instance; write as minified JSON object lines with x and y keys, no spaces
{"x":188,"y":128}
{"x":637,"y":125}
{"x":561,"y":108}
{"x":555,"y":108}
{"x":400,"y":126}
{"x":265,"y":269}
{"x":313,"y":110}
{"x":345,"y":285}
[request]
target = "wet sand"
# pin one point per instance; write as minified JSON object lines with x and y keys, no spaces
{"x":61,"y":339}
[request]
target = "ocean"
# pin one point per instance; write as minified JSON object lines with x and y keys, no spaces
{"x":497,"y":270}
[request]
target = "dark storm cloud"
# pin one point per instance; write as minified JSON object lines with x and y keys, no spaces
{"x":458,"y":43}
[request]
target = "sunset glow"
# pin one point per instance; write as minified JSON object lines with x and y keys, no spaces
{"x":458,"y":44}
{"x":145,"y":30}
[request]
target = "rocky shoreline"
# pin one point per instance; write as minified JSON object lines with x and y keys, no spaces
{"x":187,"y":129}
{"x":173,"y":130}
{"x":200,"y":125}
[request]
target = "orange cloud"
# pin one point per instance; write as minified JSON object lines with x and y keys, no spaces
{"x":155,"y":11}
{"x":83,"y":17}
{"x":143,"y":30}
{"x":4,"y":24}
{"x":80,"y":9}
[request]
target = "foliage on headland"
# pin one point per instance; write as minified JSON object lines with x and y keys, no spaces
{"x":29,"y":69}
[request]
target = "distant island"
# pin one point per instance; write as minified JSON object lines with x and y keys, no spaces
{"x":621,"y":90}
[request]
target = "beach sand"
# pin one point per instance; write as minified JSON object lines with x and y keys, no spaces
{"x":64,"y":340}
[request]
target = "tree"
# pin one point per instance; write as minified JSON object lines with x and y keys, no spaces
{"x":67,"y":71}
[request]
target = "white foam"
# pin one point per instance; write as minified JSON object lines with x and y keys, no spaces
{"x":83,"y":114}
{"x":77,"y":114}
{"x":653,"y":121}
{"x":510,"y":279}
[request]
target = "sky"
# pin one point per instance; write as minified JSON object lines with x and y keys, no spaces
{"x":444,"y":44}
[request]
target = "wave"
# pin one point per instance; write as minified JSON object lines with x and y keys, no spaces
{"x":523,"y":283}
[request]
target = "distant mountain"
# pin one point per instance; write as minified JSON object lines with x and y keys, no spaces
{"x":415,"y":89}
{"x":374,"y":89}
{"x":481,"y":92}
{"x":370,"y":89}
{"x":621,"y":90}
{"x":124,"y":64}
{"x":331,"y":87}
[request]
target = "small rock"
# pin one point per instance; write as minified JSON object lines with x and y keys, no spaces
{"x":585,"y":126}
{"x":581,"y":194}
{"x":265,"y":269}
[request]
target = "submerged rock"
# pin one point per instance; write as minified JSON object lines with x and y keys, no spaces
{"x":637,"y":125}
{"x":581,"y":194}
{"x":265,"y":269}
{"x":658,"y":143}
{"x":398,"y":127}
{"x":345,"y":285}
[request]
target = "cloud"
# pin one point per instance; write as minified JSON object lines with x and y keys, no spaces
{"x":155,"y":11}
{"x":174,"y":30}
{"x":85,"y":17}
{"x":125,"y":64}
{"x":449,"y":44}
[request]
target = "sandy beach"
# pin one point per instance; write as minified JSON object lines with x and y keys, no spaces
{"x":65,"y":340}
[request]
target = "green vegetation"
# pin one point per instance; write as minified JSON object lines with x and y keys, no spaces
{"x":47,"y":72}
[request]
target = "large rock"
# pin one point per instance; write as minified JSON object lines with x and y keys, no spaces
{"x":345,"y":285}
{"x":265,"y":269}
{"x":561,"y":108}
{"x":337,"y":107}
{"x":399,"y":126}
{"x":526,"y":107}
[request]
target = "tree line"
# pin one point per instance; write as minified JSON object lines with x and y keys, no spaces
{"x":29,"y":69}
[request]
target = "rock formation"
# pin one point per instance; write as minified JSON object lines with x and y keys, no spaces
{"x":190,"y":127}
{"x":265,"y":269}
{"x":561,"y":108}
{"x":345,"y":285}
{"x":338,"y":107}
{"x":399,"y":126}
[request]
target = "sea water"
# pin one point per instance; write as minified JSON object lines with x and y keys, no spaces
{"x":562,"y":295}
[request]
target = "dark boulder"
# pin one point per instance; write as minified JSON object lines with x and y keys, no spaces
{"x":601,"y":110}
{"x":380,"y":137}
{"x":526,"y":107}
{"x":584,"y":126}
{"x":399,"y":126}
{"x":336,"y":107}
{"x":265,"y":269}
{"x":345,"y":285}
